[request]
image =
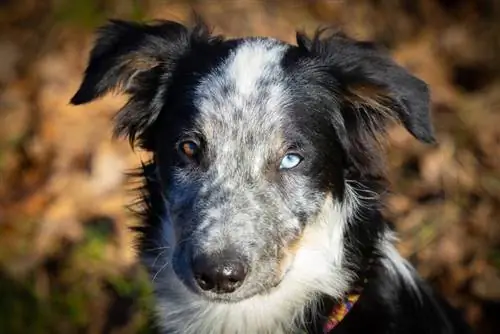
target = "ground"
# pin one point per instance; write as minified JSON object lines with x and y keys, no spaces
{"x":67,"y":257}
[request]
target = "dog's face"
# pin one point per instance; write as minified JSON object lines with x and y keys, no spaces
{"x":256,"y":145}
{"x":242,"y":171}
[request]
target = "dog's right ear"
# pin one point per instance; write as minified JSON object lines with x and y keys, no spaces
{"x":137,"y":59}
{"x":123,"y":51}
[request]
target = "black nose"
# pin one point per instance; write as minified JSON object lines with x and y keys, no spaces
{"x":222,"y":273}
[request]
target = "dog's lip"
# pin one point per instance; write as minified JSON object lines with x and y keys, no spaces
{"x":232,"y":298}
{"x":235,"y":297}
{"x":222,"y":298}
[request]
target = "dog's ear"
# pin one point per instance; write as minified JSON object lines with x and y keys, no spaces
{"x":136,"y":59}
{"x":372,"y":87}
{"x":125,"y":50}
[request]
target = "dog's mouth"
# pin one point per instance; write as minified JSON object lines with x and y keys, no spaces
{"x":242,"y":294}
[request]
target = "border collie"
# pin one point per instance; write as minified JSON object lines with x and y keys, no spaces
{"x":264,"y":193}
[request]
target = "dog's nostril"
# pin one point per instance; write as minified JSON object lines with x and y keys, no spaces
{"x":204,"y":282}
{"x":233,"y":280}
{"x":219,"y":274}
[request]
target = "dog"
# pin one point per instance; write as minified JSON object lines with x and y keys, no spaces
{"x":262,"y":201}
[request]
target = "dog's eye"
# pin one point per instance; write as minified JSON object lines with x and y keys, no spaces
{"x":189,"y":148}
{"x":290,"y":160}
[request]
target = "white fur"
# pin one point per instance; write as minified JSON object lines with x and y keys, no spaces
{"x":397,"y":266}
{"x":251,"y":62}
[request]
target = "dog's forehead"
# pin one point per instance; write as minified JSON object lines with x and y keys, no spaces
{"x":242,"y":99}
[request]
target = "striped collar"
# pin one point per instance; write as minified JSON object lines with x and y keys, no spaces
{"x":339,"y":312}
{"x":345,"y":305}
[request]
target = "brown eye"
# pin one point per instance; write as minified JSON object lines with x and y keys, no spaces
{"x":189,"y":149}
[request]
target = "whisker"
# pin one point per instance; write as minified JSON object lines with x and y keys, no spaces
{"x":159,"y":271}
{"x":158,"y":257}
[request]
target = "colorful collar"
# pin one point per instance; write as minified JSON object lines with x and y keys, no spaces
{"x":339,"y":312}
{"x":344,"y":306}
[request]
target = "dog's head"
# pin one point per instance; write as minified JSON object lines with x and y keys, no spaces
{"x":258,"y":147}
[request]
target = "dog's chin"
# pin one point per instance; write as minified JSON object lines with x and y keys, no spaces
{"x":232,"y":298}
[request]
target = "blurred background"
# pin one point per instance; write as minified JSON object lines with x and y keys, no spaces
{"x":67,"y":258}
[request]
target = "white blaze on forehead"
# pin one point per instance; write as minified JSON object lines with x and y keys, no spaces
{"x":253,"y":61}
{"x":243,"y":73}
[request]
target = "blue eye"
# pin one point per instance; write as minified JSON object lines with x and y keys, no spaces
{"x":290,"y":161}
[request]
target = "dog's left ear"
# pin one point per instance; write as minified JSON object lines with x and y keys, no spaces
{"x":374,"y":89}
